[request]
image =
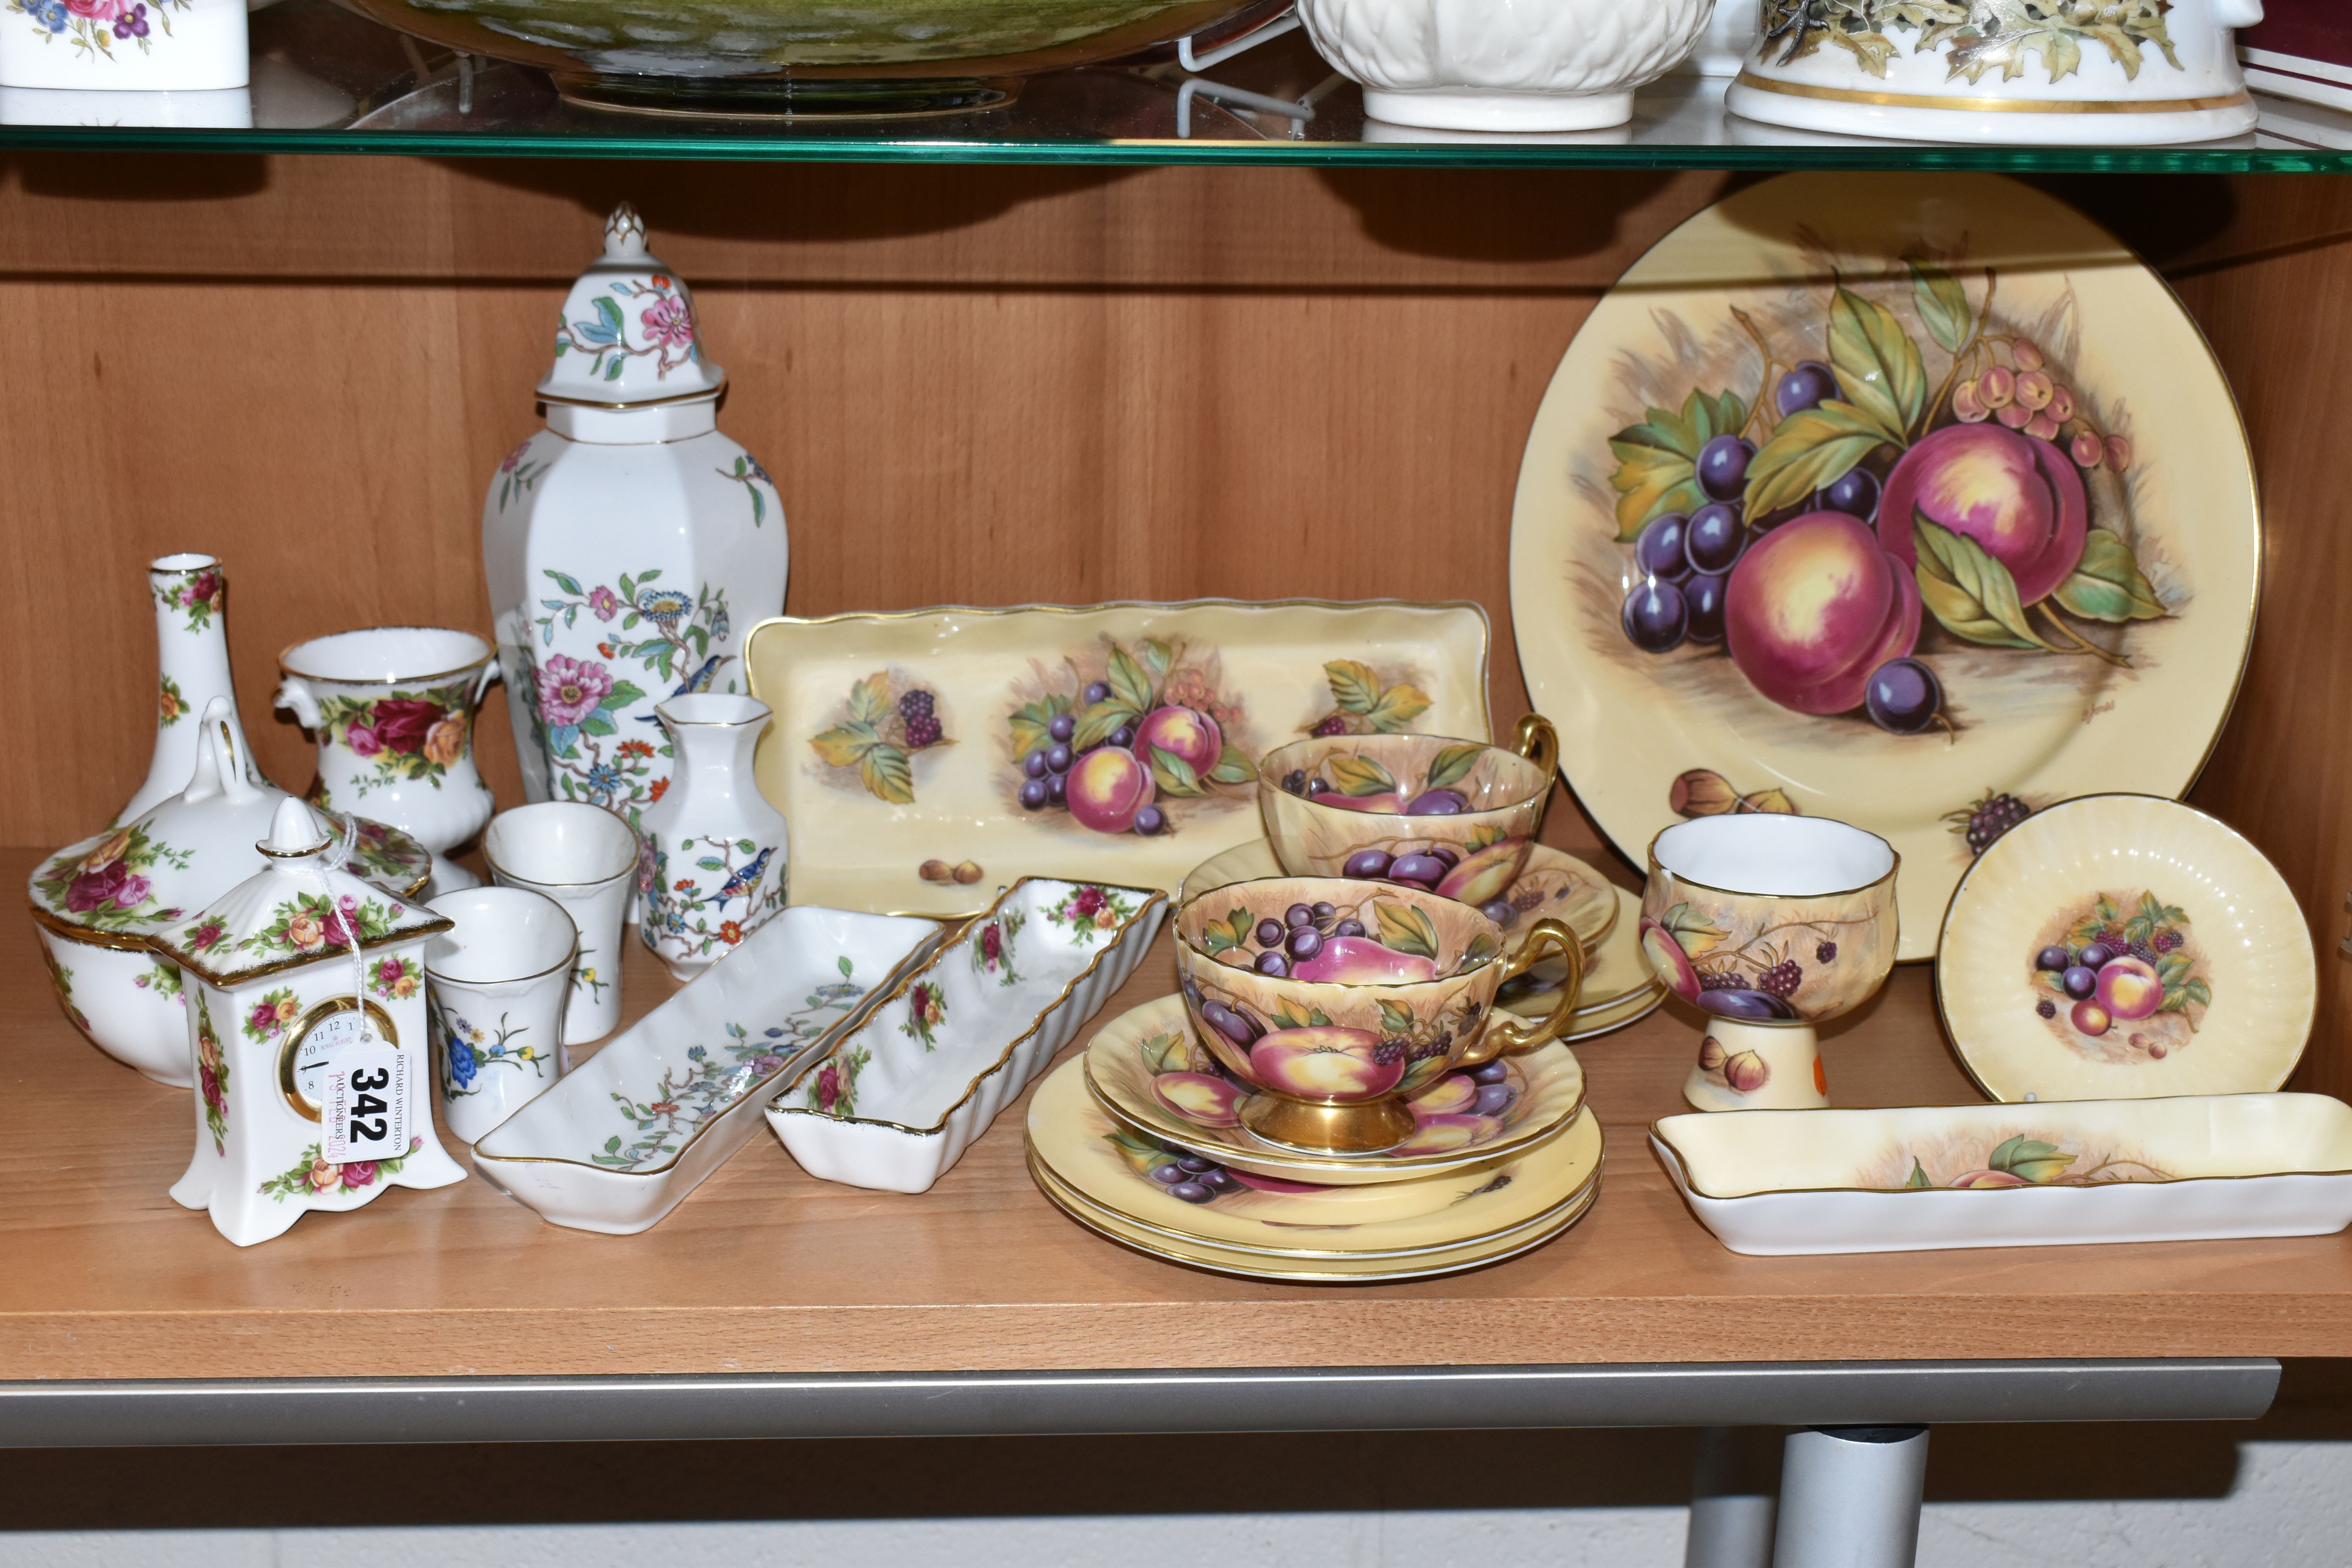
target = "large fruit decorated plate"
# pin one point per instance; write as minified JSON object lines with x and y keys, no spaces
{"x":1917,"y":504}
{"x":925,"y":757}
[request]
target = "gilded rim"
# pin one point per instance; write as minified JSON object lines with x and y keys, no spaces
{"x":1270,"y":1155}
{"x":327,"y":1009}
{"x":673,"y":401}
{"x":324,"y":953}
{"x":2245,"y":454}
{"x":1992,"y":105}
{"x":1270,"y":776}
{"x":564,"y":963}
{"x":490,"y":657}
{"x":1943,"y":1013}
{"x":637,"y":852}
{"x":1500,"y":955}
{"x":1679,"y":1171}
{"x":1656,"y":866}
{"x":826,"y":1043}
{"x":954,"y":943}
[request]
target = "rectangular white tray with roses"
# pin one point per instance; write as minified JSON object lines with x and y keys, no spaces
{"x":899,"y":1100}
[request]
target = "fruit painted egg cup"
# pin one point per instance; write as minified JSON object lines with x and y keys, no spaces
{"x":1456,"y":818}
{"x":1769,"y":925}
{"x":1337,"y":999}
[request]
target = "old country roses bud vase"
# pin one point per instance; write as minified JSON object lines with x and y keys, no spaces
{"x":715,"y":850}
{"x":190,"y":594}
{"x":392,"y":709}
{"x":625,"y":542}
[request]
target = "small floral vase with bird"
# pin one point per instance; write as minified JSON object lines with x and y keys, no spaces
{"x":715,"y":853}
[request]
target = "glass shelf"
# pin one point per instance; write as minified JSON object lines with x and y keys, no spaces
{"x":327,"y":81}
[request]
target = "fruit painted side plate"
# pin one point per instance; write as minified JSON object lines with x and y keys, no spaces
{"x":1149,"y":1075}
{"x":2123,"y":947}
{"x":926,"y":755}
{"x":1255,"y":1264}
{"x":1916,"y":506}
{"x":1618,"y":983}
{"x":1553,"y":884}
{"x":1074,"y":1139}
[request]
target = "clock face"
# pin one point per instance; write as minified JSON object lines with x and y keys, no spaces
{"x":332,"y":1027}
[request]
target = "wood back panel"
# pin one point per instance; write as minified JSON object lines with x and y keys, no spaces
{"x":977,"y":385}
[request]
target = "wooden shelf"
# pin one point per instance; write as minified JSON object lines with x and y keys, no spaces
{"x":768,"y":1269}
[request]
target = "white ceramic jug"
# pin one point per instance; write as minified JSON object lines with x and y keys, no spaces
{"x":715,"y":849}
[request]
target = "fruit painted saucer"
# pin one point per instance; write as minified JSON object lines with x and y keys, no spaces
{"x":2120,"y":947}
{"x":1252,"y":1264}
{"x":927,"y":756}
{"x":1620,"y":986}
{"x":1072,"y":1137}
{"x":1554,"y":884}
{"x":1914,"y":510}
{"x":1146,"y":1073}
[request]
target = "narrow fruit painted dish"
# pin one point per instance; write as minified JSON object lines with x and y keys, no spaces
{"x":2198,"y":1167}
{"x":2124,"y":947}
{"x":895,"y":1103}
{"x":925,"y":755}
{"x":1085,"y":1150}
{"x":1553,"y":884}
{"x":1918,"y":507}
{"x":1150,"y":1073}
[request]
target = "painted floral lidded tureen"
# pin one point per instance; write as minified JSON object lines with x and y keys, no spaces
{"x":628,"y":545}
{"x":104,"y":904}
{"x":306,"y":1023}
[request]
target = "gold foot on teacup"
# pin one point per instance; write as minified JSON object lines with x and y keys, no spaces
{"x":1304,"y":1127}
{"x":1757,"y":1066}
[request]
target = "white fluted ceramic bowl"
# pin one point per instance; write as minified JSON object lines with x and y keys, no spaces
{"x":1503,"y":65}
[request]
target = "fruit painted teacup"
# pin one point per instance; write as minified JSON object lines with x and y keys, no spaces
{"x":1337,"y":999}
{"x":1454,"y":817}
{"x":1769,"y":925}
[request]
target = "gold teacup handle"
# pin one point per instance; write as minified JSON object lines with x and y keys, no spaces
{"x":1517,"y":1034}
{"x":1538,"y":743}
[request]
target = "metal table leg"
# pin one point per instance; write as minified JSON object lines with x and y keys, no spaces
{"x":1850,"y":1497}
{"x":1732,"y":1503}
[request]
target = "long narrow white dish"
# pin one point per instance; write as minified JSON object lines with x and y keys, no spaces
{"x":620,"y":1141}
{"x":2058,"y":1174}
{"x":897,"y":1101}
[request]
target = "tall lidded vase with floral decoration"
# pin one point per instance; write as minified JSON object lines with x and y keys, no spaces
{"x":190,"y":592}
{"x":307,"y":1029}
{"x":628,"y":545}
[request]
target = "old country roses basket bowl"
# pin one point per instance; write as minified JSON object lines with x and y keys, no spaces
{"x":796,"y":56}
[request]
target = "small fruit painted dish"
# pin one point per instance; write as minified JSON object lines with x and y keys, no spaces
{"x":1148,"y":1073}
{"x":1916,"y":509}
{"x":1553,"y":885}
{"x":1336,"y":1000}
{"x":2124,"y":947}
{"x":925,"y":756}
{"x":1917,"y":1178}
{"x":1075,"y":1147}
{"x":1455,"y":817}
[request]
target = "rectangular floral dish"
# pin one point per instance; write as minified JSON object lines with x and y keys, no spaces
{"x":895,"y":1103}
{"x":902,"y":745}
{"x":2055,"y":1174}
{"x":622,"y":1139}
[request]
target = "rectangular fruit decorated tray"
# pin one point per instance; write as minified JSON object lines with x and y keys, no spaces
{"x":926,"y":758}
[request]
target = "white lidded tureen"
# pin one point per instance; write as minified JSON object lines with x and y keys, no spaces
{"x":306,"y":1023}
{"x":628,"y":544}
{"x":100,"y":904}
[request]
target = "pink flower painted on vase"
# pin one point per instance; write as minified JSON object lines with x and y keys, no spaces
{"x":514,"y":458}
{"x":362,"y":740}
{"x":402,"y":723}
{"x":360,"y":1173}
{"x":604,"y":602}
{"x":570,"y":689}
{"x":132,"y":893}
{"x":669,"y":322}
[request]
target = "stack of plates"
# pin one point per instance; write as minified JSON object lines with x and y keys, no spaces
{"x":1468,"y":1189}
{"x":1618,"y":986}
